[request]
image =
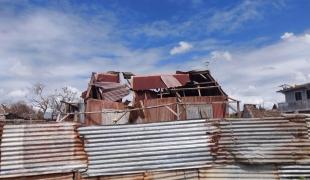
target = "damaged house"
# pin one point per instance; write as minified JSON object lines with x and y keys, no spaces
{"x":122,"y":97}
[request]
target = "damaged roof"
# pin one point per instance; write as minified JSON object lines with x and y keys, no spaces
{"x":295,"y":87}
{"x":159,"y":81}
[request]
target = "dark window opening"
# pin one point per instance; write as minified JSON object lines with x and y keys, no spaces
{"x":308,"y":94}
{"x":298,"y":96}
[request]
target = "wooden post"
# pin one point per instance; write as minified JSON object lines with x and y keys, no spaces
{"x":178,"y":112}
{"x":199,"y":92}
{"x":76,"y":175}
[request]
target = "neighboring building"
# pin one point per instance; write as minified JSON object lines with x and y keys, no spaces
{"x":297,"y":99}
{"x":160,"y":97}
{"x":252,"y":111}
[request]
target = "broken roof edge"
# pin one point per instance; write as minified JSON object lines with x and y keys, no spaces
{"x":295,"y":87}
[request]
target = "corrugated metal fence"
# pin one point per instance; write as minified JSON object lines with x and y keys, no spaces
{"x":143,"y":147}
{"x":38,"y":149}
{"x":270,"y":148}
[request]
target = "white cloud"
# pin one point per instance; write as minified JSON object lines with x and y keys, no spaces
{"x":221,"y":55}
{"x":181,"y":48}
{"x":287,"y":35}
{"x":254,"y":74}
{"x":18,"y":93}
{"x":220,"y":20}
{"x":62,"y":49}
{"x":235,"y":17}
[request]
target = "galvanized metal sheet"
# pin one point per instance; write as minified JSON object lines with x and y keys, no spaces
{"x":124,"y":149}
{"x":187,"y":174}
{"x":36,"y":149}
{"x":259,"y":141}
{"x":199,"y":111}
{"x":300,"y":171}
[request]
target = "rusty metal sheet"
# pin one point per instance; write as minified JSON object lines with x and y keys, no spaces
{"x":259,"y":141}
{"x":308,"y":124}
{"x":112,"y":91}
{"x":160,"y":113}
{"x":155,"y":81}
{"x":170,"y":81}
{"x":68,"y":176}
{"x":38,"y":149}
{"x":106,"y":77}
{"x":238,"y":171}
{"x":125,"y":149}
{"x":187,"y":174}
{"x":94,"y":105}
{"x":139,"y":176}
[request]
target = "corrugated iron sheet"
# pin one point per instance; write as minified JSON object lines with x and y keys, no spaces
{"x":237,"y":171}
{"x":68,"y":176}
{"x":187,"y":174}
{"x":170,"y":81}
{"x":219,"y":109}
{"x":36,"y":149}
{"x":94,"y":105}
{"x":112,"y":91}
{"x":269,"y":148}
{"x":139,"y":176}
{"x":259,"y":141}
{"x":300,"y":171}
{"x":106,"y":77}
{"x":155,"y":81}
{"x":138,"y":148}
{"x":160,"y":113}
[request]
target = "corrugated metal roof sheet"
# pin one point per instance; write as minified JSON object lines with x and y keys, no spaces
{"x":36,"y":149}
{"x":106,"y":77}
{"x":154,"y":82}
{"x":142,"y":147}
{"x":170,"y":81}
{"x":112,"y":91}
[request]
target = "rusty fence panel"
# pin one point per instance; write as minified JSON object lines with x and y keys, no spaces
{"x":38,"y":149}
{"x":125,"y":149}
{"x":269,"y":140}
{"x":238,"y":171}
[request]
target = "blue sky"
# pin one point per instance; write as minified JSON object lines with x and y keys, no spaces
{"x":252,"y":46}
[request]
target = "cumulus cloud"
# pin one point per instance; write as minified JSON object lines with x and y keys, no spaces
{"x":19,"y":93}
{"x":221,"y":55}
{"x":287,"y":35}
{"x":181,"y":48}
{"x":255,"y":74}
{"x":62,"y":49}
